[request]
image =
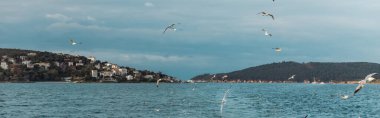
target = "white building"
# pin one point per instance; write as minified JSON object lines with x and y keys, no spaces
{"x":114,"y":66}
{"x":97,"y":66}
{"x":32,"y":54}
{"x":22,"y":58}
{"x":26,"y":62}
{"x":12,"y":60}
{"x":94,"y":73}
{"x":5,"y":57}
{"x":123,"y":71}
{"x":30,"y":65}
{"x":43,"y":64}
{"x":56,"y":63}
{"x":71,"y":63}
{"x":129,"y":77}
{"x":4,"y":65}
{"x":79,"y":64}
{"x":92,"y":58}
{"x":106,"y":73}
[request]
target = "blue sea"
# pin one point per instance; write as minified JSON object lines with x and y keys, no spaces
{"x":201,"y":100}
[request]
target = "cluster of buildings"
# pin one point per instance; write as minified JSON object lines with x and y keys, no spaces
{"x":95,"y":71}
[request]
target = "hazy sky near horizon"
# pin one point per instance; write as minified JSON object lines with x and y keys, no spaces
{"x":213,"y":37}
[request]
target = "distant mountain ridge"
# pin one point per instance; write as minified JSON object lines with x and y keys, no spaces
{"x":319,"y":71}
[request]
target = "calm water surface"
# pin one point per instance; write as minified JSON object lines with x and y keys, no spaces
{"x":187,"y":100}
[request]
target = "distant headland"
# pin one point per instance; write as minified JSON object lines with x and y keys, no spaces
{"x":34,"y":66}
{"x":282,"y":72}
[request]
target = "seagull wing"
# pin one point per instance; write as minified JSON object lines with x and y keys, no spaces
{"x":165,"y":30}
{"x":261,"y":13}
{"x":271,"y":16}
{"x":358,"y":88}
{"x":158,"y":81}
{"x":369,"y":77}
{"x":223,"y":100}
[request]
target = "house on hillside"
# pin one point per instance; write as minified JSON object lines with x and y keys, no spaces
{"x":26,"y":62}
{"x":94,"y":73}
{"x":92,"y":59}
{"x":23,"y":58}
{"x":13,"y":60}
{"x":70,"y":64}
{"x":43,"y":64}
{"x":32,"y":54}
{"x":4,"y":65}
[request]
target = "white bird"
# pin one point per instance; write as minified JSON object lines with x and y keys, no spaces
{"x":213,"y":77}
{"x":73,"y":42}
{"x":344,"y":97}
{"x":291,"y":77}
{"x":224,"y":100}
{"x":368,"y":79}
{"x":263,"y":13}
{"x":266,"y":33}
{"x":158,"y":81}
{"x":224,"y":77}
{"x":171,"y":27}
{"x":277,"y":49}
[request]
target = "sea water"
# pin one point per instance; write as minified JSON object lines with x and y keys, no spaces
{"x":201,"y":100}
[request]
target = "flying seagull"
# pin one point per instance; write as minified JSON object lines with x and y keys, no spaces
{"x":213,"y":77}
{"x":73,"y":42}
{"x":224,"y":77}
{"x":158,"y":81}
{"x":266,"y":33}
{"x":277,"y":49}
{"x":224,"y":100}
{"x":291,"y":77}
{"x":170,"y":27}
{"x":263,"y":13}
{"x":367,"y":79}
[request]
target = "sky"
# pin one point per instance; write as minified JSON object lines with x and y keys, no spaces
{"x":212,"y":37}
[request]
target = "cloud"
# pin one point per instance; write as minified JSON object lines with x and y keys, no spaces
{"x":90,"y":18}
{"x":148,"y":4}
{"x":59,"y":17}
{"x":64,"y":25}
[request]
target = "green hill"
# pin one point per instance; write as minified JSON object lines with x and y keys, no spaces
{"x":27,"y":66}
{"x":320,"y":71}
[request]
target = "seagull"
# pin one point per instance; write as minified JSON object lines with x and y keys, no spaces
{"x":277,"y":49}
{"x":170,"y":27}
{"x":158,"y":81}
{"x":344,"y":97}
{"x":263,"y":13}
{"x":73,"y":42}
{"x":224,"y":100}
{"x":291,"y":77}
{"x":306,"y":116}
{"x":213,"y":77}
{"x":266,"y":33}
{"x":224,"y":77}
{"x":368,"y":79}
